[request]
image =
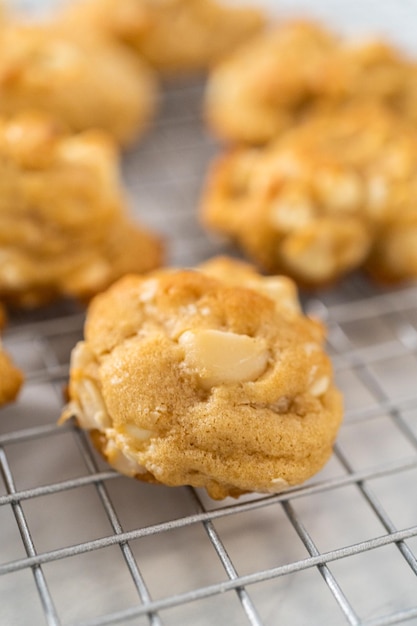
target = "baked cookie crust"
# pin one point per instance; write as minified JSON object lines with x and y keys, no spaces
{"x":336,"y":193}
{"x":64,"y":227}
{"x":209,"y":377}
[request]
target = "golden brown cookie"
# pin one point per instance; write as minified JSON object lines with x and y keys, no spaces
{"x":11,"y":377}
{"x":274,"y":80}
{"x":64,"y":229}
{"x":209,"y":377}
{"x":85,"y":81}
{"x":174,"y":36}
{"x":393,"y":257}
{"x":323,"y":199}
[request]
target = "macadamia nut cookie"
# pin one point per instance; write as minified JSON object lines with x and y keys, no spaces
{"x":11,"y":377}
{"x":64,"y":230}
{"x":174,"y":36}
{"x":335,"y":193}
{"x":85,"y":81}
{"x":209,"y":377}
{"x":266,"y":86}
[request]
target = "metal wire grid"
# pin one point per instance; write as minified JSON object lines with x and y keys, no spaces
{"x":400,"y":311}
{"x":80,"y":544}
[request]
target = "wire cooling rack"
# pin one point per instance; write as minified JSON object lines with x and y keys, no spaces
{"x":81,"y":545}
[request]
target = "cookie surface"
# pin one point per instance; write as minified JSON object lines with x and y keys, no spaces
{"x":209,"y":377}
{"x":11,"y":377}
{"x":67,"y":74}
{"x":336,"y":193}
{"x":64,"y":227}
{"x":273,"y":81}
{"x":174,"y":36}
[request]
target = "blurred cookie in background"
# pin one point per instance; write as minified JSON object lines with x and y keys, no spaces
{"x":270,"y":84}
{"x":64,"y":227}
{"x":336,"y":193}
{"x":11,"y":378}
{"x":174,"y":36}
{"x":84,"y":80}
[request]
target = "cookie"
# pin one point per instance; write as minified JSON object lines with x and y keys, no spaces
{"x":272,"y":82}
{"x":64,"y":227}
{"x":393,"y":257}
{"x":85,"y":81}
{"x":174,"y":36}
{"x":334,"y":194}
{"x":209,"y":377}
{"x":11,"y":378}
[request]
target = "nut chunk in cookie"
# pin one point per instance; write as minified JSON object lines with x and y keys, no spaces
{"x":174,"y":36}
{"x":209,"y":377}
{"x":85,"y":81}
{"x":64,"y":229}
{"x":11,"y":377}
{"x":336,"y":193}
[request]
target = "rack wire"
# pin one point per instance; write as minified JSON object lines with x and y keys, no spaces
{"x":81,"y":545}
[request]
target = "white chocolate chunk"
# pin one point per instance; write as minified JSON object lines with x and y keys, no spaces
{"x":140,"y":434}
{"x":320,"y":386}
{"x":277,"y":485}
{"x":120,"y":461}
{"x":148,"y":290}
{"x":93,"y":414}
{"x":311,"y":347}
{"x":81,"y":356}
{"x":280,"y":289}
{"x":340,"y":192}
{"x":289,"y":214}
{"x":222,"y":357}
{"x":91,"y":411}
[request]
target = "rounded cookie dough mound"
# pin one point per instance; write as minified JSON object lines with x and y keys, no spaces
{"x":64,"y":227}
{"x":11,"y":377}
{"x":209,"y":377}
